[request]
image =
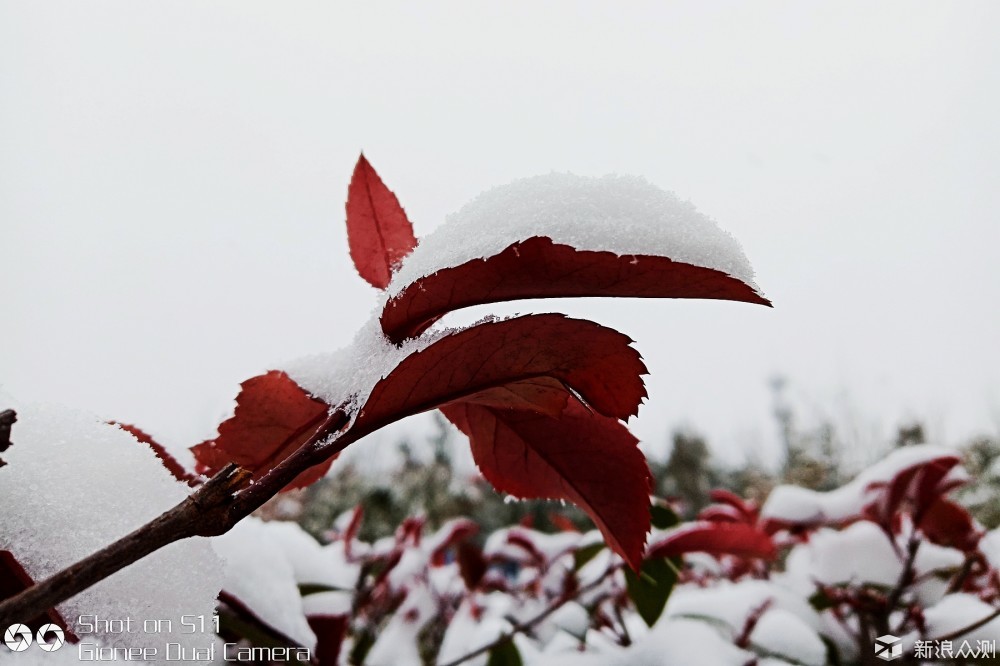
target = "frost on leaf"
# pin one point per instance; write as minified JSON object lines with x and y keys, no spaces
{"x":378,"y":232}
{"x":273,"y":418}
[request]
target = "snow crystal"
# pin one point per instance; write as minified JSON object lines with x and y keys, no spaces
{"x":990,"y":547}
{"x":681,"y":641}
{"x":784,"y":634}
{"x":733,"y":603}
{"x":466,"y":632}
{"x":801,"y":505}
{"x":571,"y":618}
{"x":75,"y":484}
{"x":328,"y":603}
{"x":958,"y":611}
{"x":312,"y":563}
{"x":862,"y":553}
{"x":346,"y":377}
{"x":260,"y":576}
{"x":397,"y":643}
{"x":550,"y":546}
{"x":626,"y":215}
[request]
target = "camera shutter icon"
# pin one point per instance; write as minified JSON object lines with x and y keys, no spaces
{"x":57,"y":640}
{"x":17,"y":637}
{"x":888,"y":647}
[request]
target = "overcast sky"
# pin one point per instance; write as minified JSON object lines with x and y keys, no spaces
{"x":172,"y":179}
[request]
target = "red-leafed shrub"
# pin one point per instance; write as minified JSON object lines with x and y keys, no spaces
{"x":806,"y":578}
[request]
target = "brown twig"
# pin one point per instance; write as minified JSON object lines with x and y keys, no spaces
{"x":905,"y":579}
{"x":963,"y":574}
{"x":213,"y":509}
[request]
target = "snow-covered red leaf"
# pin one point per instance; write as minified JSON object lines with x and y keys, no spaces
{"x":448,"y":537}
{"x":273,"y":418}
{"x":747,"y":508}
{"x":947,"y":523}
{"x":539,"y":268}
{"x":581,"y":456}
{"x":378,"y":232}
{"x":715,"y":538}
{"x":14,"y":579}
{"x":472,"y":564}
{"x":173,"y":466}
{"x":330,"y":632}
{"x":721,"y":513}
{"x":917,"y":487}
{"x":525,"y":362}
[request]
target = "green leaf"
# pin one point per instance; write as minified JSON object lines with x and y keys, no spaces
{"x":316,"y":588}
{"x":820,"y":601}
{"x":505,"y":654}
{"x":586,"y":554}
{"x":663,"y":516}
{"x":650,"y":589}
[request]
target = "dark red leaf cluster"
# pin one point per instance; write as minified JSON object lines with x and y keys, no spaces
{"x":921,"y":491}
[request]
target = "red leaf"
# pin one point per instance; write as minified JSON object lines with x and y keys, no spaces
{"x":174,"y":467}
{"x":471,"y":564}
{"x":14,"y":580}
{"x":918,"y":485}
{"x":947,"y":523}
{"x":330,"y":631}
{"x":561,"y":522}
{"x":747,"y":508}
{"x":539,"y":268}
{"x":584,"y":457}
{"x":273,"y":418}
{"x":716,"y":539}
{"x":722,"y":513}
{"x":515,"y":363}
{"x":458,"y":531}
{"x":351,"y":533}
{"x":378,"y":232}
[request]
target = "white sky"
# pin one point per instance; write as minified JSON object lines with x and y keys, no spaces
{"x":172,"y":179}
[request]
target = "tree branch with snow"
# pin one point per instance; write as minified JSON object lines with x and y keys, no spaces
{"x":543,"y":399}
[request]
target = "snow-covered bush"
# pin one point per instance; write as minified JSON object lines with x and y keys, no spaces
{"x":809,"y":578}
{"x":542,"y":398}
